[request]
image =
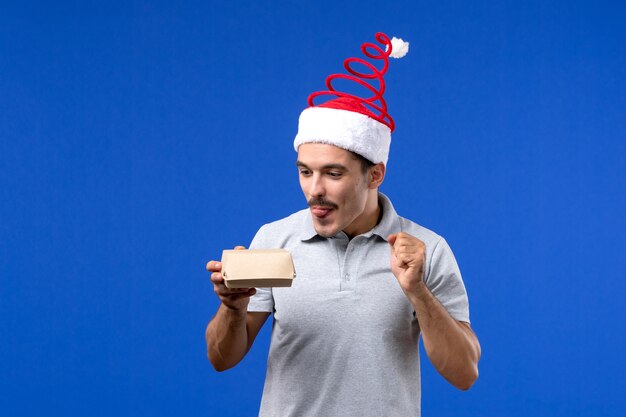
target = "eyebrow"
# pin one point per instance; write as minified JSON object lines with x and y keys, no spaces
{"x":327,"y":166}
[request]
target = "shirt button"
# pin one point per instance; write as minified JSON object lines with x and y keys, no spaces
{"x":347,"y":277}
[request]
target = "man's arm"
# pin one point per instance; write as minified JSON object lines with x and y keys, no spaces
{"x":451,"y":345}
{"x":232,"y":331}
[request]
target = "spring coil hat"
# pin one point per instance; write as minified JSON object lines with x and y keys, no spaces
{"x":360,"y":125}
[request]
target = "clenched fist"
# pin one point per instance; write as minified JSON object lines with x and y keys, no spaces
{"x":408,"y":256}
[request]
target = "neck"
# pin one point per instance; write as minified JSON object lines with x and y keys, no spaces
{"x":369,"y":219}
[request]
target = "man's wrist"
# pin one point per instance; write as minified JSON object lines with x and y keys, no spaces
{"x":235,"y":312}
{"x":418,"y":292}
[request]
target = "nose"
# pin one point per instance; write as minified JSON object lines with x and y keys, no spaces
{"x":317,"y":188}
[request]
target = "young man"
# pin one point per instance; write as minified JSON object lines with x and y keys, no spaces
{"x":345,"y":335}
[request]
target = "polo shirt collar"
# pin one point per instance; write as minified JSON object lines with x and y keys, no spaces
{"x":308,"y":230}
{"x":389,"y":224}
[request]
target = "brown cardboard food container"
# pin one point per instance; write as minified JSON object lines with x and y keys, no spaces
{"x":257,"y":268}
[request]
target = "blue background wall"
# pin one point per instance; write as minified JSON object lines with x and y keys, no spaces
{"x":138,"y":139}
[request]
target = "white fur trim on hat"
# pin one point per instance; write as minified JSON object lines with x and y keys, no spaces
{"x":345,"y":129}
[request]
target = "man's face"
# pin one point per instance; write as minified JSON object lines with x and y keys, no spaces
{"x":335,"y":187}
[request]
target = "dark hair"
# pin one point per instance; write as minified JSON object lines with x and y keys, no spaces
{"x":365,"y":163}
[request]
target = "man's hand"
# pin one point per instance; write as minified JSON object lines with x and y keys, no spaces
{"x":234,"y":299}
{"x":232,"y":331}
{"x":451,"y":346}
{"x":408,"y":256}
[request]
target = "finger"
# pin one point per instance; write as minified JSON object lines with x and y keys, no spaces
{"x":404,"y":258}
{"x":407,"y":237}
{"x":236,"y":290}
{"x":402,"y":235}
{"x":213,"y":266}
{"x":222,"y":288}
{"x":410,"y":253}
{"x":403,"y":238}
{"x":399,"y":239}
{"x":217,"y":278}
{"x":223,"y":291}
{"x":405,"y":247}
{"x":249,"y":292}
{"x":240,"y":248}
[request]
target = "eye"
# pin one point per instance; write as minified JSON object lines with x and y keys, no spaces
{"x":304,"y":172}
{"x":334,"y":174}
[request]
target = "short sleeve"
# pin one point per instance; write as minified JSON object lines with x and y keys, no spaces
{"x":263,"y":300}
{"x":445,"y":282}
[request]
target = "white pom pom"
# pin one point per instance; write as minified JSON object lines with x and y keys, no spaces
{"x":399,"y":48}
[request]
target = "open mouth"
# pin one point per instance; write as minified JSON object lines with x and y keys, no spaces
{"x":321,"y":212}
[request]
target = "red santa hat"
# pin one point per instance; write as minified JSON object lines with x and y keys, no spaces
{"x":360,"y":125}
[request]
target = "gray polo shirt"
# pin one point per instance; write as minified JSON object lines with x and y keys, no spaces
{"x":344,"y":338}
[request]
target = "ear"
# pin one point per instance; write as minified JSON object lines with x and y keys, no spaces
{"x":376,"y":175}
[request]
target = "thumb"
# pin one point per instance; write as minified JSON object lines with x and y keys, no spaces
{"x":392,"y":239}
{"x":240,"y":248}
